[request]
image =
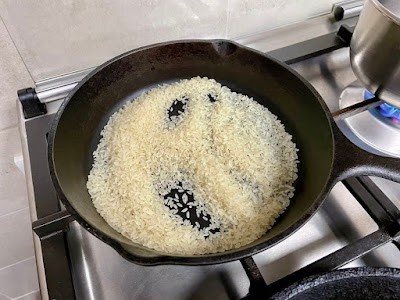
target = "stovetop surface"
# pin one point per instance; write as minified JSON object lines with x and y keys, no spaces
{"x":100,"y":273}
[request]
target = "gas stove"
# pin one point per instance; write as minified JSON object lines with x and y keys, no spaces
{"x":358,"y":224}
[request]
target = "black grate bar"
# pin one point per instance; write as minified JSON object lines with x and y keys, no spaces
{"x":57,"y":267}
{"x":51,"y":224}
{"x":357,"y":108}
{"x":314,"y":47}
{"x":381,"y":198}
{"x":308,"y":49}
{"x":257,"y":283}
{"x":368,"y":202}
{"x":336,"y":259}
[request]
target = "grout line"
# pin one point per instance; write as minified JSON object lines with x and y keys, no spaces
{"x":14,"y":212}
{"x":1,"y":294}
{"x":15,"y":46}
{"x":21,"y":261}
{"x":19,"y":297}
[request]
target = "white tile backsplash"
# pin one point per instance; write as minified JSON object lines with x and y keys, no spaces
{"x":30,"y":296}
{"x":18,"y":275}
{"x":12,"y":181}
{"x":13,"y":76}
{"x":16,"y":236}
{"x":16,"y":281}
{"x":251,"y":16}
{"x":56,"y":37}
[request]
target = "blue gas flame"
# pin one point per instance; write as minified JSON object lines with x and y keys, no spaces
{"x":385,"y":109}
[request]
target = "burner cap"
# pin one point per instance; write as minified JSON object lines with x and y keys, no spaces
{"x":376,"y":130}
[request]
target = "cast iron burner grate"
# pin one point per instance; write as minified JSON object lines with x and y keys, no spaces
{"x":376,"y":204}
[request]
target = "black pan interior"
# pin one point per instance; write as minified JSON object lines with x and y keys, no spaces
{"x":244,"y":71}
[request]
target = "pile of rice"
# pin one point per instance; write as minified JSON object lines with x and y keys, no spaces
{"x":229,"y":154}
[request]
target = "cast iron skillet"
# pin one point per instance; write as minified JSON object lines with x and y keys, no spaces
{"x":326,"y":156}
{"x":365,"y":283}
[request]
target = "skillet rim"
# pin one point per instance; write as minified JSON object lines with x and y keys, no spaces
{"x":206,"y":259}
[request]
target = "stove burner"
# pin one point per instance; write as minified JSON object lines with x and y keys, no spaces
{"x":390,"y":112}
{"x":376,"y":130}
{"x":386,"y":110}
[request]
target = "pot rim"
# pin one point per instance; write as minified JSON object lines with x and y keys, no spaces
{"x":393,"y":16}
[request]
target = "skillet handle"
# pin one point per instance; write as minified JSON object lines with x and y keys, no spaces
{"x":350,"y":161}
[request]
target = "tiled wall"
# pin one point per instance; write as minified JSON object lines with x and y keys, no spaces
{"x":18,"y":279}
{"x":250,"y":16}
{"x":62,"y":36}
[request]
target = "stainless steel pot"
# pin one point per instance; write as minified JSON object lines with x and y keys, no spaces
{"x":375,"y":49}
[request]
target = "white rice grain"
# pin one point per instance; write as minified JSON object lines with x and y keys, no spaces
{"x":233,"y":154}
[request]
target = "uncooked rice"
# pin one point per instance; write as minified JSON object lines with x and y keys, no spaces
{"x":230,"y":157}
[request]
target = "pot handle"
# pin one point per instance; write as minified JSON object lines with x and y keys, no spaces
{"x":350,"y":160}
